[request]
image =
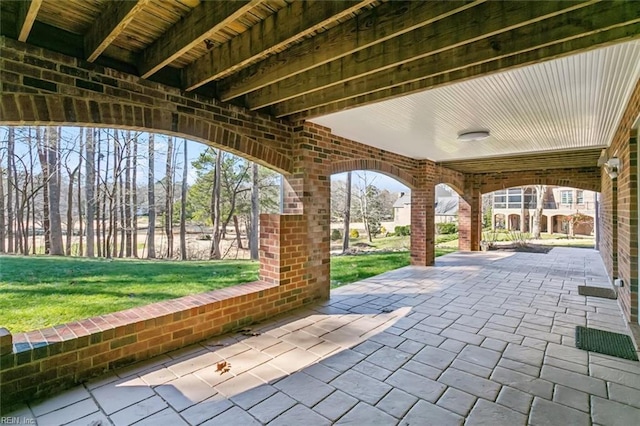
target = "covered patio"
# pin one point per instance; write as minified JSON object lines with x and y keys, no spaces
{"x":480,"y":95}
{"x":486,"y":338}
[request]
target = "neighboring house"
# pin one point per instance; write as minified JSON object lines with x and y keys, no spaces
{"x":446,"y":207}
{"x":513,"y":209}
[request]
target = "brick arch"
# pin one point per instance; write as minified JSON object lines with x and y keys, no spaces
{"x":376,"y":166}
{"x":451,"y":178}
{"x":104,"y":111}
{"x":589,"y":180}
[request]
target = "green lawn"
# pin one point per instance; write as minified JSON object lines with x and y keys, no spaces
{"x":39,"y":291}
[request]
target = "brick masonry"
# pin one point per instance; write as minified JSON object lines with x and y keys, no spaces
{"x":619,"y":210}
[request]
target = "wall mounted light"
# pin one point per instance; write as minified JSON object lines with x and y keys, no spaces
{"x":475,"y":135}
{"x":612,"y":166}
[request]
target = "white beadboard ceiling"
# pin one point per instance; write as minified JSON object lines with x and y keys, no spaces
{"x":570,"y":103}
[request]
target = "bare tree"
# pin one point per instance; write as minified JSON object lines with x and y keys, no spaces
{"x":168,"y":212}
{"x":183,"y":204}
{"x":254,"y":239}
{"x":53,"y":157}
{"x":215,"y":207}
{"x":347,"y":215}
{"x":127,"y":198}
{"x":98,"y":197}
{"x":134,"y":197}
{"x":10,"y":182}
{"x":72,"y":176}
{"x":151,"y":232}
{"x":79,"y":200}
{"x":2,"y":218}
{"x":537,"y":215}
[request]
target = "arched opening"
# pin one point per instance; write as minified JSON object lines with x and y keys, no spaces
{"x":370,"y":225}
{"x":98,"y":193}
{"x":514,"y":222}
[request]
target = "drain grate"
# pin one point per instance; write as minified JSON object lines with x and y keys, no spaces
{"x":605,"y":342}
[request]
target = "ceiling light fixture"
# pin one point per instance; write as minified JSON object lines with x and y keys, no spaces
{"x":475,"y":135}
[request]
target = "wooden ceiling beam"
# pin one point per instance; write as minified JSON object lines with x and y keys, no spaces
{"x":27,"y":12}
{"x":299,"y":19}
{"x":112,"y":21}
{"x":205,"y":19}
{"x":481,"y":22}
{"x":552,"y":38}
{"x":382,"y":23}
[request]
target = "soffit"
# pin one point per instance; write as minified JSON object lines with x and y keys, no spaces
{"x":572,"y":103}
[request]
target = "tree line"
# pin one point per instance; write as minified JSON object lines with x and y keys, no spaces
{"x":112,"y":193}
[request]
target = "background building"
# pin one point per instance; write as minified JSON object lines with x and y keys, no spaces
{"x":565,"y":209}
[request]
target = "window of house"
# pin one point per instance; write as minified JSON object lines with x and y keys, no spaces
{"x":530,"y":198}
{"x":500,"y":200}
{"x":566,"y":197}
{"x":579,"y":197}
{"x":515,"y":198}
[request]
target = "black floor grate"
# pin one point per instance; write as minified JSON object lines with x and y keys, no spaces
{"x":605,"y":342}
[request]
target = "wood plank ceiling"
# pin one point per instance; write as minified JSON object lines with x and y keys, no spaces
{"x":303,"y":59}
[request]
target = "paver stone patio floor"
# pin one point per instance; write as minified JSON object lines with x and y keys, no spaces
{"x":479,"y":339}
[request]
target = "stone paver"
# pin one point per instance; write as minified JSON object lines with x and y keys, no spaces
{"x":492,"y":344}
{"x":469,"y":383}
{"x":489,"y":413}
{"x":364,"y":414}
{"x":336,"y":405}
{"x":424,"y":413}
{"x":360,"y":386}
{"x":548,"y":413}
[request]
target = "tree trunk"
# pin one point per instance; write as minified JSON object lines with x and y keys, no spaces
{"x":2,"y":218}
{"x":183,"y":204}
{"x":54,"y":191}
{"x":215,"y":208}
{"x":168,"y":212}
{"x":10,"y":185}
{"x":96,"y":197}
{"x":237,"y":228}
{"x":151,"y":230}
{"x":347,"y":215}
{"x":79,"y":201}
{"x":127,"y":198}
{"x":537,"y":216}
{"x":44,"y":164}
{"x":72,"y":176}
{"x":254,"y":237}
{"x":134,"y":198}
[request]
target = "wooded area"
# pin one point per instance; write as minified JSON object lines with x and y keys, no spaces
{"x":120,"y":194}
{"x":83,"y":192}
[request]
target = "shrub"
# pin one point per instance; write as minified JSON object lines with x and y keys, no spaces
{"x":336,"y":235}
{"x":354,"y":233}
{"x":402,"y":230}
{"x":383,"y":231}
{"x":447,"y":228}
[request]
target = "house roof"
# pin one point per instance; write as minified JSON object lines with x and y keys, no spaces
{"x":445,"y":206}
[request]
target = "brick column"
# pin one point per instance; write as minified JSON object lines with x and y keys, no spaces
{"x":308,"y":193}
{"x":283,"y":251}
{"x":423,"y":217}
{"x":470,"y":218}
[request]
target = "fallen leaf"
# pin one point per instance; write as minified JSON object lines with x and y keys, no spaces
{"x":223,"y":367}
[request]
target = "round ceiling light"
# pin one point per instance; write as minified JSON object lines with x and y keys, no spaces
{"x":475,"y":135}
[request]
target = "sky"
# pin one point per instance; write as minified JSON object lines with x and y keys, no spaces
{"x":194,"y":149}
